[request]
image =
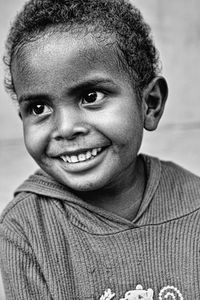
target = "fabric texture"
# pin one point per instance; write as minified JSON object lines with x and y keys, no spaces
{"x":53,"y":245}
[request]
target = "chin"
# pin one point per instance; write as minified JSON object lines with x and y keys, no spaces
{"x":81,"y":183}
{"x":84,"y":186}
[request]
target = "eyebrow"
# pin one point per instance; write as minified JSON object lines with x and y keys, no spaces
{"x":70,"y":91}
{"x":92,"y":83}
{"x":37,"y":97}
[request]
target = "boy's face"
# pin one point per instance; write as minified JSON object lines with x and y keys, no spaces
{"x":82,"y":123}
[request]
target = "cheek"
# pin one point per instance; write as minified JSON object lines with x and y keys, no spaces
{"x":35,"y":140}
{"x":122,"y":125}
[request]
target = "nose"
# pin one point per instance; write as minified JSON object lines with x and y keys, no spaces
{"x":69,"y":123}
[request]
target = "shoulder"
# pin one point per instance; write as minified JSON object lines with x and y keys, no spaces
{"x":180,"y":188}
{"x":27,"y":209}
{"x":170,"y":177}
{"x":38,"y":199}
{"x":30,"y":217}
{"x":22,"y":205}
{"x":179,"y":179}
{"x":176,"y":191}
{"x":15,"y":219}
{"x":37,"y":193}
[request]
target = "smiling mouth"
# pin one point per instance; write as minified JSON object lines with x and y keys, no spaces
{"x":81,"y":157}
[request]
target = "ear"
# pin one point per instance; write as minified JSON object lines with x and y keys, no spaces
{"x":154,"y":98}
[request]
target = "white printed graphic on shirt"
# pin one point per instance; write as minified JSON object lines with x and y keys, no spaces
{"x":108,"y":295}
{"x":168,"y":292}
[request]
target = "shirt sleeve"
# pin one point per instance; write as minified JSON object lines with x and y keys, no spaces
{"x":21,"y":273}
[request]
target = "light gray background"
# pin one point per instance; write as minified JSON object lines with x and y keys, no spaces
{"x":176,"y":30}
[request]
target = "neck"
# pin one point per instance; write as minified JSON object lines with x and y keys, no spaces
{"x":123,"y":200}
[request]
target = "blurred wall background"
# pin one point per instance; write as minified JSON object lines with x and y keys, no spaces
{"x":176,"y":31}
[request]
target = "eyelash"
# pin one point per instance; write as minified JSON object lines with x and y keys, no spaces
{"x":99,"y":94}
{"x":31,"y":108}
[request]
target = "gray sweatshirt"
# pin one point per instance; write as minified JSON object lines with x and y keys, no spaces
{"x":53,"y":245}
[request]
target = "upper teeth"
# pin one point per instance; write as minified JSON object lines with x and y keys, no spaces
{"x":81,"y":157}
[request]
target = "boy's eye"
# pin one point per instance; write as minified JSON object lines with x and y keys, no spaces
{"x":92,"y":97}
{"x":40,"y":109}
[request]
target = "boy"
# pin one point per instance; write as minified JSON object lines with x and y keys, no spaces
{"x":98,"y":220}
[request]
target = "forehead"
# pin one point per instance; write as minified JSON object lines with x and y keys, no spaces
{"x":67,"y":55}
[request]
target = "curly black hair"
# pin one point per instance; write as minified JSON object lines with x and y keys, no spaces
{"x":117,"y":17}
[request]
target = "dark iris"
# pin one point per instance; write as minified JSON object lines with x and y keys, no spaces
{"x":38,"y":109}
{"x":91,"y":97}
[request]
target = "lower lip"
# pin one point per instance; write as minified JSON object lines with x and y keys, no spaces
{"x":85,"y":165}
